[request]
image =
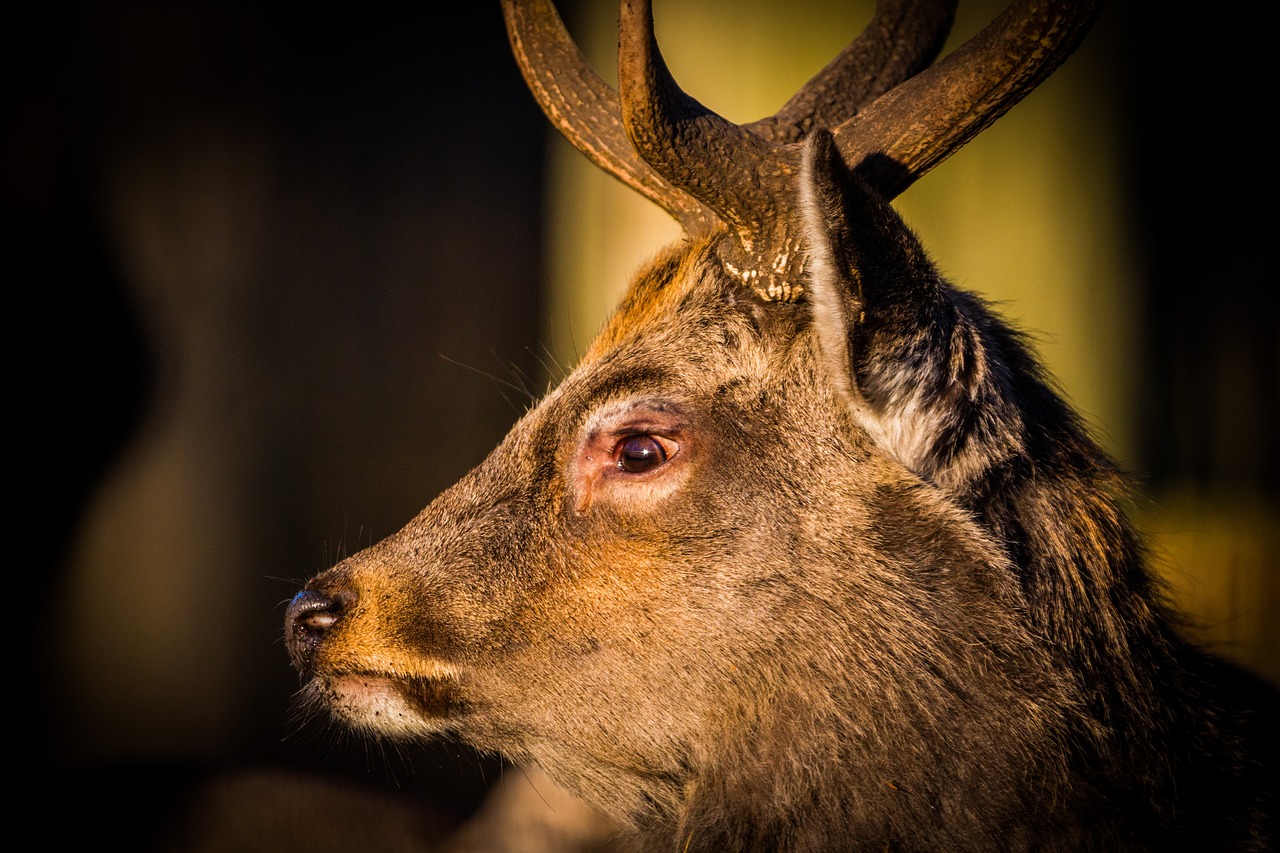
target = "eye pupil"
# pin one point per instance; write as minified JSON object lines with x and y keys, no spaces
{"x":640,"y":453}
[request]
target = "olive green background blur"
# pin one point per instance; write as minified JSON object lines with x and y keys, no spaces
{"x":279,"y":278}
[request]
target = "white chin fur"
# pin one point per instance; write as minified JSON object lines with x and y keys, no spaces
{"x":372,"y":705}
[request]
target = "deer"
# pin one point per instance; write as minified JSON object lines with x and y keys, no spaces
{"x":806,"y":553}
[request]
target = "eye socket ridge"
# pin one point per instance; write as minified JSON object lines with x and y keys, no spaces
{"x":642,"y":452}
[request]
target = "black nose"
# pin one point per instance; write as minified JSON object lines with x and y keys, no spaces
{"x":310,"y":616}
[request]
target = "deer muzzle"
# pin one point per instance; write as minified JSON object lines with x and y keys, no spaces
{"x":310,"y":617}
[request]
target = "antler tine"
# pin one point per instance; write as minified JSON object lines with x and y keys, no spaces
{"x":743,"y":177}
{"x":700,"y":151}
{"x":584,"y":108}
{"x":902,"y":38}
{"x":918,"y":124}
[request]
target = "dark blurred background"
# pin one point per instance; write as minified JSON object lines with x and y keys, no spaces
{"x":278,"y":277}
{"x":273,"y":271}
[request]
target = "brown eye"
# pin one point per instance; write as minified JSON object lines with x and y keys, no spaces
{"x":640,"y":453}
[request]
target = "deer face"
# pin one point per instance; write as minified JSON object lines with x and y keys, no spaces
{"x":732,"y":556}
{"x":806,"y":554}
{"x":688,"y":516}
{"x":643,"y":525}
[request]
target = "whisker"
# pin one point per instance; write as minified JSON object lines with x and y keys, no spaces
{"x":523,"y":391}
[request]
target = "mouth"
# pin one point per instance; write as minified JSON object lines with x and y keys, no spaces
{"x":390,"y":705}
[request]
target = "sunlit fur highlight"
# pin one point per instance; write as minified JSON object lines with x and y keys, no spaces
{"x":894,"y":603}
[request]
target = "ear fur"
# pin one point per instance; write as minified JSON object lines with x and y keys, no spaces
{"x":906,"y":352}
{"x":834,"y":287}
{"x":867,"y":268}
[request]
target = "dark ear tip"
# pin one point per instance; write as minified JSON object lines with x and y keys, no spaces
{"x":823,"y":162}
{"x":820,"y":147}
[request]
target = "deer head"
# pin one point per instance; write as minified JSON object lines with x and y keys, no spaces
{"x":804,"y":552}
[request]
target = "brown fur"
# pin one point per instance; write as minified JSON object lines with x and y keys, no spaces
{"x":880,"y":592}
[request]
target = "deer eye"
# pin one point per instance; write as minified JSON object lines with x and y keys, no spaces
{"x":637,"y":454}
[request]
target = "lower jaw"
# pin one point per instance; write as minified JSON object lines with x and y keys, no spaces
{"x":392,"y":707}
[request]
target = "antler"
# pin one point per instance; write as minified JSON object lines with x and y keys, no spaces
{"x":585,"y":109}
{"x":894,"y":116}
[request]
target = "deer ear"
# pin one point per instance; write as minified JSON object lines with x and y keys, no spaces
{"x":903,"y":355}
{"x":871,"y":285}
{"x":834,"y":285}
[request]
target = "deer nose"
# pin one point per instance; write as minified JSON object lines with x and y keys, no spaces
{"x":309,"y":617}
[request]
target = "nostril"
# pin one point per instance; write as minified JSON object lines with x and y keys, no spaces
{"x":310,"y":615}
{"x":312,"y":611}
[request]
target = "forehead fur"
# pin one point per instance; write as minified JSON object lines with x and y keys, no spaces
{"x":657,"y":292}
{"x":683,"y":304}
